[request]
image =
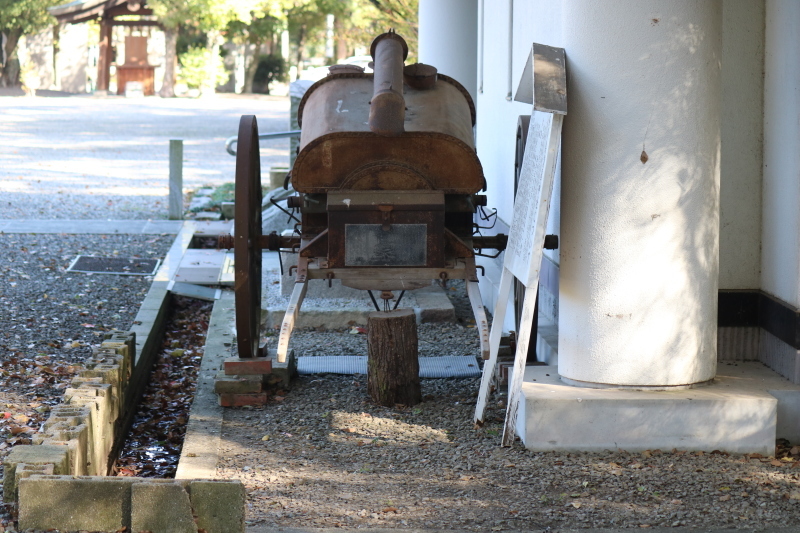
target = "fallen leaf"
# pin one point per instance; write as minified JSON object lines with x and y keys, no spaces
{"x":725,"y":498}
{"x":576,"y":505}
{"x":775,"y":462}
{"x":390,"y":510}
{"x":265,"y":438}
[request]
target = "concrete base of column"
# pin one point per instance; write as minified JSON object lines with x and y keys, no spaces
{"x":744,"y":410}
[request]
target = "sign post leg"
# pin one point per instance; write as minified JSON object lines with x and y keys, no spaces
{"x":494,"y":344}
{"x":520,"y":357}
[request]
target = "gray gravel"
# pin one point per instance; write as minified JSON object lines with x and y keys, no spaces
{"x":323,"y":455}
{"x":47,"y":310}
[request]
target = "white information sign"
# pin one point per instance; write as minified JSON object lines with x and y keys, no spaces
{"x":523,"y":254}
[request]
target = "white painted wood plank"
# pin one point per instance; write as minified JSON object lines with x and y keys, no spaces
{"x":520,"y":357}
{"x":289,"y":319}
{"x":478,"y":311}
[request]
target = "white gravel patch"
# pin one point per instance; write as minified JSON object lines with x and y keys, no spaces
{"x":108,"y":157}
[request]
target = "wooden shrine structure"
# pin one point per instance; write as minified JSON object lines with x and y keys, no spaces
{"x":107,"y":13}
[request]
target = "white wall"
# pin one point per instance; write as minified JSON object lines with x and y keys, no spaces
{"x":73,"y":57}
{"x":780,"y":253}
{"x":501,"y":42}
{"x":448,"y":39}
{"x":741,"y":156}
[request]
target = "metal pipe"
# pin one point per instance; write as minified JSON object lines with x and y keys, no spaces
{"x":230,"y":141}
{"x":387,"y":110}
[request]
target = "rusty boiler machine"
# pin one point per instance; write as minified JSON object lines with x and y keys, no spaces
{"x":387,"y":179}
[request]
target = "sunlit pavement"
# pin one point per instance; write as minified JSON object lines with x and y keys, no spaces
{"x":115,"y":147}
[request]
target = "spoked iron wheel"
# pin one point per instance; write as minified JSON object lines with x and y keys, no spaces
{"x":247,"y":237}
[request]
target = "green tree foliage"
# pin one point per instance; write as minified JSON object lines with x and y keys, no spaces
{"x":18,"y":18}
{"x":270,"y":68}
{"x":208,"y":16}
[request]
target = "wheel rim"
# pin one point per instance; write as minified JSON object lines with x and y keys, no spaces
{"x":247,"y":236}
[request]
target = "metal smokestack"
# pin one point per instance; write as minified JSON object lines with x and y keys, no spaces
{"x":387,"y":110}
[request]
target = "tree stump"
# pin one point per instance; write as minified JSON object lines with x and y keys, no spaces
{"x":393,"y":364}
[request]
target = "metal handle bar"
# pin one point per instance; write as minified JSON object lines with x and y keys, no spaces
{"x":230,"y":141}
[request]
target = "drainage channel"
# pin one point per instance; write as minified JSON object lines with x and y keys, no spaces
{"x":153,"y":445}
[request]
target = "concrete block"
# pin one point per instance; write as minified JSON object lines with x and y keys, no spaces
{"x":238,"y":366}
{"x":284,"y":372}
{"x":127,"y":338}
{"x":25,"y":471}
{"x":58,"y":456}
{"x":71,"y":415}
{"x":228,"y":210}
{"x":218,"y":505}
{"x":241,"y":400}
{"x":236,"y":385}
{"x":75,"y":503}
{"x":731,"y":415}
{"x":433,"y":305}
{"x":76,"y":438}
{"x":97,"y":389}
{"x":102,"y":423}
{"x":161,"y":507}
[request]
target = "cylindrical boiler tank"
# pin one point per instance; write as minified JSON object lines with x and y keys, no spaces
{"x":434,"y":149}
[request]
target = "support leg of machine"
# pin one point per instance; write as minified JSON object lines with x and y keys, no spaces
{"x":520,"y":357}
{"x":481,"y":323}
{"x":494,"y":345}
{"x":289,"y":319}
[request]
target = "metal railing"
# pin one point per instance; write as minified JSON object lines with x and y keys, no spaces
{"x":230,"y":141}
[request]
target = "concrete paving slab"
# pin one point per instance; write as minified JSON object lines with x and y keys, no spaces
{"x":735,"y":414}
{"x":99,"y":227}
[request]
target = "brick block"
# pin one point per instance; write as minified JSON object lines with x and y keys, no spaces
{"x":241,"y":400}
{"x":58,"y":456}
{"x":257,"y":365}
{"x":236,"y":385}
{"x":162,"y":507}
{"x":75,"y":503}
{"x":218,"y":505}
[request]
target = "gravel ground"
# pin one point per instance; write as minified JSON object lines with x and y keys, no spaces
{"x":87,"y":157}
{"x":323,"y":455}
{"x":51,"y":318}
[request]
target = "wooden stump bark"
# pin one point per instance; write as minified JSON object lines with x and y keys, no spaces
{"x":393,"y":364}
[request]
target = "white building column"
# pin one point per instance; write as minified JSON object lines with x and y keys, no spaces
{"x":448,"y":39}
{"x":640,"y":193}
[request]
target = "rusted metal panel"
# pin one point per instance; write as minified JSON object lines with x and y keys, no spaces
{"x":365,"y":161}
{"x":348,"y":241}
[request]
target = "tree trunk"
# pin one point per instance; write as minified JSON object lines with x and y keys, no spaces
{"x":10,"y":72}
{"x":341,"y":43}
{"x":210,"y":84}
{"x":250,"y":69}
{"x":393,"y":364}
{"x":170,"y":62}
